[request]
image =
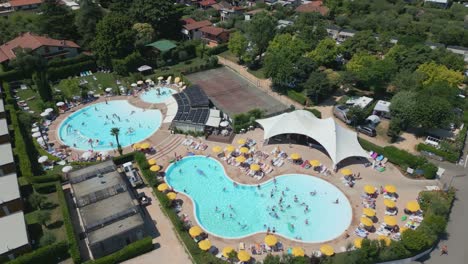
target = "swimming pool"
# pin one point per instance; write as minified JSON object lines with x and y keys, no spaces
{"x":157,"y":95}
{"x":213,"y":194}
{"x":89,"y":128}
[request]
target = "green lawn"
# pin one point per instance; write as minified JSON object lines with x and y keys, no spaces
{"x":32,"y":98}
{"x":228,"y":56}
{"x":103,"y":81}
{"x":259,"y":73}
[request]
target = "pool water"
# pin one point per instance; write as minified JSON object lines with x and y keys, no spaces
{"x":157,"y":95}
{"x":89,"y":128}
{"x":247,"y":209}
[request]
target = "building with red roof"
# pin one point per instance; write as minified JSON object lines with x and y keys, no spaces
{"x":316,"y":6}
{"x":214,"y":35}
{"x":46,"y":47}
{"x":192,"y":30}
{"x":25,"y":4}
{"x":206,"y":3}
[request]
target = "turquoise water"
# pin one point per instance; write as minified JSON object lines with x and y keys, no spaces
{"x":95,"y":122}
{"x":204,"y":180}
{"x":157,"y":95}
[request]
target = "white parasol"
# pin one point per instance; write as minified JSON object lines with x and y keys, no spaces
{"x":108,"y":89}
{"x":148,"y":81}
{"x":42,"y":159}
{"x":48,"y":110}
{"x":60,"y":104}
{"x":35,"y":129}
{"x":160,"y":78}
{"x":133,"y":85}
{"x":86,"y":155}
{"x":67,"y":169}
{"x":36,"y":134}
{"x":224,"y":124}
{"x":140,"y":82}
{"x":44,"y":114}
{"x":91,"y":92}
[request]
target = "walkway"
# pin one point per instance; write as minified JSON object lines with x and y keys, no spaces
{"x":168,"y":247}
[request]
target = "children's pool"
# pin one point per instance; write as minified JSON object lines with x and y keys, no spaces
{"x":157,"y":95}
{"x":233,"y":211}
{"x":89,"y":128}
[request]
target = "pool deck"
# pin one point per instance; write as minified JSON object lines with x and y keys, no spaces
{"x":167,"y":145}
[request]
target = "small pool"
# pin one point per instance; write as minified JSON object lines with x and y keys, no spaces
{"x":157,"y":95}
{"x":89,"y":128}
{"x":232,"y":211}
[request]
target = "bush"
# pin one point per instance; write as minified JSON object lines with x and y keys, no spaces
{"x":48,"y":254}
{"x":124,"y":158}
{"x":297,"y":96}
{"x":370,"y":146}
{"x":403,"y":158}
{"x":414,"y":240}
{"x":132,"y":250}
{"x":217,"y":50}
{"x":72,"y":238}
{"x":430,"y":170}
{"x":47,"y":239}
{"x":449,"y":156}
{"x":314,"y":111}
{"x":47,"y":178}
{"x":56,"y":62}
{"x":44,"y":188}
{"x":244,"y":120}
{"x":56,"y":73}
{"x":12,"y":75}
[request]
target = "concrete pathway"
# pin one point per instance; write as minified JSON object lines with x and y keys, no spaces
{"x":168,"y":248}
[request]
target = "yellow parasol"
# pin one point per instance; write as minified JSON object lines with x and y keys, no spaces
{"x":327,"y":250}
{"x":241,"y":141}
{"x":390,"y":220}
{"x":152,"y":162}
{"x":155,"y":168}
{"x":295,"y":156}
{"x":389,"y":203}
{"x":366,"y":221}
{"x":346,"y":172}
{"x":230,"y":148}
{"x":177,"y":80}
{"x":216,"y":149}
{"x":390,"y":188}
{"x":314,"y":163}
{"x":227,"y":250}
{"x":255,"y":167}
{"x":243,"y":256}
{"x":298,"y":252}
{"x":368,"y":212}
{"x":240,"y":159}
{"x":204,"y":244}
{"x":163,"y":187}
{"x":271,"y":240}
{"x":244,"y":150}
{"x":358,"y":242}
{"x":386,"y":239}
{"x":145,"y":145}
{"x":171,"y":195}
{"x":413,"y":206}
{"x":369,"y":189}
{"x":195,"y":231}
{"x":136,"y":146}
{"x":403,"y":229}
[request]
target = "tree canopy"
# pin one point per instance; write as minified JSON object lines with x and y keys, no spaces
{"x":260,"y":30}
{"x":57,"y":20}
{"x":86,"y":19}
{"x":162,"y":15}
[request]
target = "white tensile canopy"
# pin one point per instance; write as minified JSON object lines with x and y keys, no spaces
{"x":339,"y":142}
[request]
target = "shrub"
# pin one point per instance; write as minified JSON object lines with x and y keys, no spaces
{"x":132,"y":250}
{"x":314,"y":111}
{"x":44,"y":188}
{"x":217,"y":50}
{"x":430,"y":170}
{"x":124,"y":158}
{"x":72,"y":238}
{"x":46,"y":178}
{"x":48,"y":254}
{"x":403,"y":158}
{"x":56,"y":73}
{"x":370,"y":146}
{"x":47,"y":239}
{"x":415,"y":240}
{"x":297,"y":96}
{"x":447,"y":155}
{"x":12,"y":75}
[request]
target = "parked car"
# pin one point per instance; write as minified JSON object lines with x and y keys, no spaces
{"x":367,"y":131}
{"x":340,"y":112}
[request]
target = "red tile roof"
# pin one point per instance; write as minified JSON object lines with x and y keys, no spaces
{"x":197,"y":25}
{"x":31,"y":41}
{"x":212,"y":30}
{"x":16,"y":3}
{"x":188,"y":20}
{"x":207,"y":2}
{"x":313,"y":7}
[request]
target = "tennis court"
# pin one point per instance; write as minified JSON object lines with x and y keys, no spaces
{"x":233,"y":94}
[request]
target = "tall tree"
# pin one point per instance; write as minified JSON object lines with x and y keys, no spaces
{"x":439,"y":73}
{"x":43,"y":217}
{"x":161,"y":14}
{"x":114,"y":38}
{"x":56,"y":20}
{"x":144,"y":34}
{"x":43,"y":86}
{"x":86,"y":19}
{"x":325,"y":53}
{"x":115,"y":131}
{"x":318,"y":86}
{"x":237,"y":44}
{"x":310,"y":28}
{"x":260,"y":30}
{"x":28,"y":62}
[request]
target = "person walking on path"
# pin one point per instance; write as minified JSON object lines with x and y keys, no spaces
{"x":444,"y":250}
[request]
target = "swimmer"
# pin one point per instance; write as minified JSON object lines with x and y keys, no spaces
{"x":82,"y":123}
{"x":337,"y":201}
{"x":287,"y":189}
{"x":180,"y":170}
{"x":289,"y":206}
{"x":107,"y":117}
{"x":258,"y":186}
{"x":222,"y":215}
{"x":230,"y":215}
{"x":185,"y":191}
{"x":216,"y":209}
{"x":95,"y":108}
{"x":313,"y":193}
{"x":307,"y":221}
{"x":274,"y":230}
{"x":274,"y":180}
{"x":224,"y":189}
{"x":264,"y":226}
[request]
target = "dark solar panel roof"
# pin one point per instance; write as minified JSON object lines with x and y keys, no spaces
{"x":193,"y":106}
{"x":197,"y":96}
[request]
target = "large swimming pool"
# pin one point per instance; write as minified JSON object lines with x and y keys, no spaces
{"x":89,"y":128}
{"x":157,"y":95}
{"x":231,"y":211}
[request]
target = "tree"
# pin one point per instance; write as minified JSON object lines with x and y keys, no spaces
{"x":27,"y":62}
{"x":36,"y":200}
{"x":414,"y":240}
{"x":128,"y":64}
{"x":371,"y":71}
{"x":439,"y":73}
{"x":260,"y":30}
{"x":232,"y":256}
{"x":43,"y":86}
{"x":318,"y":87}
{"x":69,"y":87}
{"x":144,"y":34}
{"x":115,"y":132}
{"x":394,"y":129}
{"x":43,"y":217}
{"x":47,"y":239}
{"x":310,"y":28}
{"x":270,"y":259}
{"x":325,"y":53}
{"x":56,"y":20}
{"x":362,"y":41}
{"x":237,"y":44}
{"x":114,"y":38}
{"x":357,"y":115}
{"x":161,"y":14}
{"x":86,"y":19}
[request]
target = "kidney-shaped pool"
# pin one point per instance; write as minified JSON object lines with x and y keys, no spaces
{"x":298,"y":207}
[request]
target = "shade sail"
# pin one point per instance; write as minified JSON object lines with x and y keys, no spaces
{"x":339,"y":142}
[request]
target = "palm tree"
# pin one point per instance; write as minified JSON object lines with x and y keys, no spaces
{"x":115,"y":132}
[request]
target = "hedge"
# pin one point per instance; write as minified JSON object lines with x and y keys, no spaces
{"x":45,"y":188}
{"x":296,"y":96}
{"x":314,"y":111}
{"x":132,"y":250}
{"x":54,"y":253}
{"x":12,"y":75}
{"x":45,"y":178}
{"x":124,"y":158}
{"x":56,"y":73}
{"x":449,"y":156}
{"x":69,"y":61}
{"x":73,"y":242}
{"x":217,"y":50}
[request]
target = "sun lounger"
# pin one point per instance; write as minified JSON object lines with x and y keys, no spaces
{"x":241,"y":246}
{"x":433,"y":188}
{"x":391,"y":212}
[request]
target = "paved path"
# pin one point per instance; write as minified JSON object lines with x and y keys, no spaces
{"x":168,"y":248}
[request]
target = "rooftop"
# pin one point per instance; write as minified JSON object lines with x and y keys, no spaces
{"x":213,"y":30}
{"x":13,"y":230}
{"x":81,"y":174}
{"x":315,"y":6}
{"x":95,"y":184}
{"x":117,"y":227}
{"x":16,"y":3}
{"x":7,"y":154}
{"x":197,"y":25}
{"x":162,"y":45}
{"x":2,"y":106}
{"x":9,"y":189}
{"x":3,"y":127}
